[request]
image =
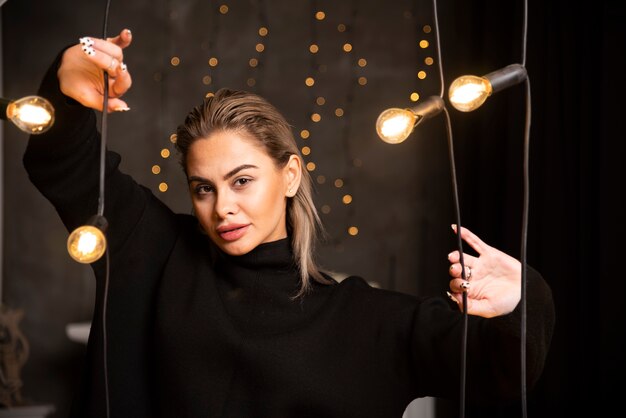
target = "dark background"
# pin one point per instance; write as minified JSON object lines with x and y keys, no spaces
{"x":402,"y":196}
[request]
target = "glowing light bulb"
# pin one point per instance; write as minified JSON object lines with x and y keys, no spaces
{"x":87,"y":243}
{"x":395,"y":125}
{"x":469,"y":92}
{"x":32,"y":114}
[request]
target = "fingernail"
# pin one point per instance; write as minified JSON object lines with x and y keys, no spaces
{"x":122,"y":109}
{"x":89,"y":50}
{"x":128,"y":31}
{"x":123,"y":66}
{"x":452,"y":298}
{"x":85,"y":41}
{"x":450,"y":255}
{"x":453,"y":226}
{"x":465,"y":285}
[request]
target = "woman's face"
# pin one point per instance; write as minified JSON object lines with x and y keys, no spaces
{"x":238,"y":194}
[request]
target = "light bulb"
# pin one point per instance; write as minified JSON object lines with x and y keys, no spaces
{"x":87,"y":243}
{"x":469,"y":92}
{"x":395,"y":125}
{"x":32,"y":114}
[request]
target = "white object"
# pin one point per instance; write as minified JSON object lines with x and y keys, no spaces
{"x":78,"y":332}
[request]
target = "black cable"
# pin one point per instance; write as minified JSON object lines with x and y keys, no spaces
{"x":524,"y":236}
{"x":461,"y":261}
{"x":457,"y":210}
{"x":103,"y":141}
{"x":104,"y":333}
{"x":103,"y":129}
{"x":524,"y":230}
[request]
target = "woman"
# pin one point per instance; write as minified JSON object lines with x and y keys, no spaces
{"x":226,"y":313}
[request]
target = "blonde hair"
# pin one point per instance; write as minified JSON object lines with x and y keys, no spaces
{"x":241,"y":111}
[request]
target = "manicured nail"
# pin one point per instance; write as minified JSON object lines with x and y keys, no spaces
{"x":452,"y":298}
{"x":85,"y":41}
{"x":122,"y":109}
{"x":123,"y":67}
{"x":128,"y":31}
{"x":465,"y":285}
{"x":453,"y":226}
{"x":450,"y":255}
{"x":89,"y":50}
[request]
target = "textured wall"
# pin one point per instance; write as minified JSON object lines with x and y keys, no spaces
{"x":401,"y":198}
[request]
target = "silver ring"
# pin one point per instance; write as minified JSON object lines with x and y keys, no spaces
{"x":469,"y":272}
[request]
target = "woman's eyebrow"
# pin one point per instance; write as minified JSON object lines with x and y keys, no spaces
{"x":235,"y":170}
{"x":228,"y":175}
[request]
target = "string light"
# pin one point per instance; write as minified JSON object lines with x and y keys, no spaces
{"x":469,"y":92}
{"x":31,"y":114}
{"x":87,"y":243}
{"x":394,"y":125}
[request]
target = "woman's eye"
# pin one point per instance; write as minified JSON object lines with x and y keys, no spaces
{"x":242,"y":181}
{"x":203,"y":189}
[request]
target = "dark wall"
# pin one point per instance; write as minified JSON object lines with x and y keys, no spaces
{"x":402,"y":197}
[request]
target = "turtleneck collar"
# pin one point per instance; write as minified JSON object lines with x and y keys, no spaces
{"x":258,"y":289}
{"x":275,"y":255}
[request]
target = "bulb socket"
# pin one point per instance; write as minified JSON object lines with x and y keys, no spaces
{"x":99,"y":222}
{"x":430,"y":107}
{"x":506,"y":77}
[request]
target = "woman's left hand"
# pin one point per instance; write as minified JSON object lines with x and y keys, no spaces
{"x":493,"y":282}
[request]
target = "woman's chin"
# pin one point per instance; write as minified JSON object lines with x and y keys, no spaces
{"x":236,"y":248}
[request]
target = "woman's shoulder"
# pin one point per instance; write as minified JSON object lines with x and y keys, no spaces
{"x":359,"y":291}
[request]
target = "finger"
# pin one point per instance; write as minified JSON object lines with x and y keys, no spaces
{"x":459,"y":285}
{"x":94,"y":47}
{"x":107,"y":58}
{"x":456,"y":271}
{"x":117,"y":105}
{"x":123,"y":39}
{"x":122,"y":81}
{"x":468,"y":260}
{"x":472,"y":239}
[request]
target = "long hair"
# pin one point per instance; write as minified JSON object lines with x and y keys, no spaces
{"x":250,"y":114}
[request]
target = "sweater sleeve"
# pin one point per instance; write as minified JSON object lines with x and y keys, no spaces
{"x":64,"y":165}
{"x":493,"y":356}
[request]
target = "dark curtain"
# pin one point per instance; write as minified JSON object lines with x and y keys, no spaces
{"x":575,"y":62}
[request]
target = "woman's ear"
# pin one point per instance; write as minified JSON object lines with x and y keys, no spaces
{"x":293,"y":175}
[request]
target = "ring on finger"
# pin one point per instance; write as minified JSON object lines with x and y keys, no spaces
{"x":469,"y":272}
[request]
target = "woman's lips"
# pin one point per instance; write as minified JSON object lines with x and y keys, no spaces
{"x":232,"y":232}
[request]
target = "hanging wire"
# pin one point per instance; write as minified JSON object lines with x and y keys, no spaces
{"x":457,"y":210}
{"x":524,"y":236}
{"x":524,"y":232}
{"x":103,"y":141}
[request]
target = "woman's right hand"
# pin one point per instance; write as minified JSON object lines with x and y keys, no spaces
{"x":81,"y":72}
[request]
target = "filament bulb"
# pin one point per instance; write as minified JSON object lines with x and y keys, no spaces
{"x":87,"y":243}
{"x":32,"y":114}
{"x":395,"y":125}
{"x":469,"y":92}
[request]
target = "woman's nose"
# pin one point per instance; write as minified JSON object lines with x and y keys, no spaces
{"x":225,"y":204}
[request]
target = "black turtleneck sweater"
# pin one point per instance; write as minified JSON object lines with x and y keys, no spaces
{"x":192,"y":332}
